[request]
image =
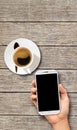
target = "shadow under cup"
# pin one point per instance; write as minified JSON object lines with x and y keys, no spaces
{"x":22,"y":57}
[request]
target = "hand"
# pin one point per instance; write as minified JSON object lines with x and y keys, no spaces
{"x":64,"y":105}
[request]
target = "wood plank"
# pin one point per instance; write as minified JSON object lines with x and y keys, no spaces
{"x":32,"y":10}
{"x":41,"y":33}
{"x":11,"y":10}
{"x":50,"y":10}
{"x":52,"y":57}
{"x":20,"y":104}
{"x":23,"y":123}
{"x":10,"y":82}
{"x":29,"y":123}
{"x":23,"y":83}
{"x":59,"y":57}
{"x":11,"y":31}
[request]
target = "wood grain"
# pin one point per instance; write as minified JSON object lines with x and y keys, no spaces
{"x":62,"y":34}
{"x":14,"y":10}
{"x":52,"y":25}
{"x":23,"y":123}
{"x":20,"y":104}
{"x":29,"y":123}
{"x":10,"y":82}
{"x":53,"y":10}
{"x":32,"y":10}
{"x":52,"y":57}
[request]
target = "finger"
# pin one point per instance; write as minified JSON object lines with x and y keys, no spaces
{"x":33,"y":97}
{"x":33,"y":83}
{"x":33,"y":90}
{"x":35,"y":102}
{"x":62,"y":91}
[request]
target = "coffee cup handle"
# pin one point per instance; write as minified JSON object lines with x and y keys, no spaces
{"x":28,"y":71}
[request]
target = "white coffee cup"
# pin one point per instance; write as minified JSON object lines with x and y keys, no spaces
{"x":23,"y":59}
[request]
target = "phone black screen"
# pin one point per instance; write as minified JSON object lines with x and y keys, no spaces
{"x":47,"y":91}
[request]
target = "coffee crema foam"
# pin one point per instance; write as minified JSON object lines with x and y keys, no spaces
{"x":22,"y":57}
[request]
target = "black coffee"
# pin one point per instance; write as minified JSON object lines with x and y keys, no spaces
{"x":22,"y":57}
{"x":24,"y":61}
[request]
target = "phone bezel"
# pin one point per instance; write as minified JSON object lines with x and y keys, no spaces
{"x":40,"y":72}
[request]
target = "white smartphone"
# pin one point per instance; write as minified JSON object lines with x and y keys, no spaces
{"x":48,"y":100}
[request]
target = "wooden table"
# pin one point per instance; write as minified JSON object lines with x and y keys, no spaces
{"x":52,"y":25}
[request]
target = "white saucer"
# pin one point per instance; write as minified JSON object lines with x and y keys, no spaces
{"x":23,"y":43}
